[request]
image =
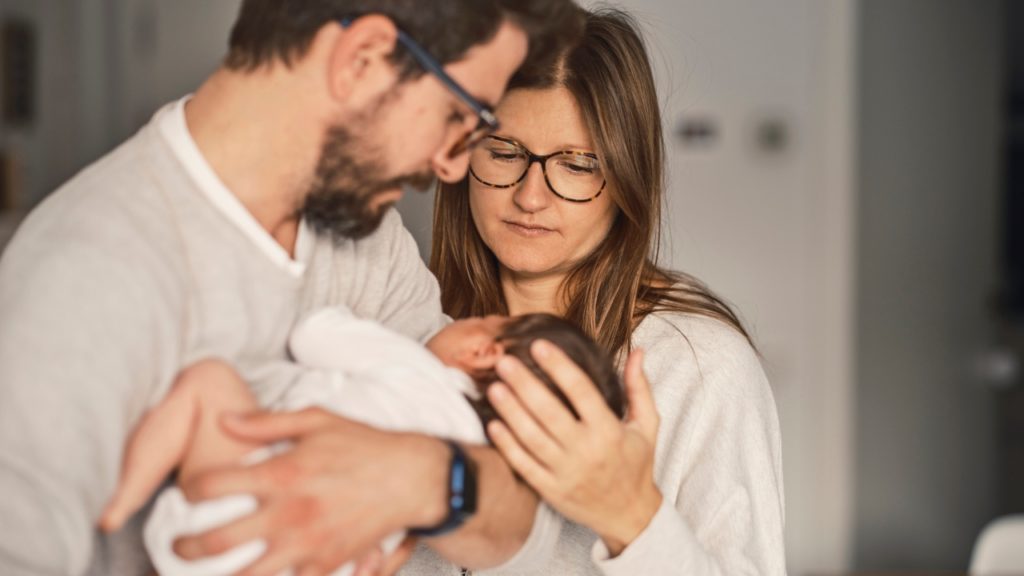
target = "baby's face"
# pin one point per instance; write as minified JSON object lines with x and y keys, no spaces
{"x":471,"y":344}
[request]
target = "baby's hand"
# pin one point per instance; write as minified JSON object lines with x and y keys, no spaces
{"x":118,"y":510}
{"x":189,"y":415}
{"x":141,"y":475}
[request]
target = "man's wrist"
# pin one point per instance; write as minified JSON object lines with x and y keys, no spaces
{"x":461,"y":498}
{"x":430,"y":492}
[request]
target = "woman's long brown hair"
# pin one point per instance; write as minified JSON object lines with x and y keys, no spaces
{"x":611,"y":291}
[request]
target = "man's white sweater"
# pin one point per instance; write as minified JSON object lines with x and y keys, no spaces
{"x":141,"y":265}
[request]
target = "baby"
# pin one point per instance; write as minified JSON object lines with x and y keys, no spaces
{"x":358,"y":369}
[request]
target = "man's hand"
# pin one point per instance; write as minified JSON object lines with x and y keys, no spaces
{"x":376,"y":563}
{"x":341,"y":488}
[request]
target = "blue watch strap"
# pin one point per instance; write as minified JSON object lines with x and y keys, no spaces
{"x":461,"y":494}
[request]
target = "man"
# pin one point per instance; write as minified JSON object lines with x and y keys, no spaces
{"x":215,"y":228}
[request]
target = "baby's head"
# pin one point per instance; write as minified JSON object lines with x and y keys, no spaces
{"x":474,"y":346}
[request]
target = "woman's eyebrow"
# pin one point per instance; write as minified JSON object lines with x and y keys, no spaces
{"x":554,"y":150}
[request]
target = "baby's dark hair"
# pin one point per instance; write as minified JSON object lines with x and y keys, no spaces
{"x":522,"y":331}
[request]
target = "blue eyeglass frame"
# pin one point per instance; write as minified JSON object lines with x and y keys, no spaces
{"x":487,"y":121}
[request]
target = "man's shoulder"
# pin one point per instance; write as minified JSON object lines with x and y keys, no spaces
{"x":381,"y":277}
{"x":115,"y":208}
{"x":386,"y":252}
{"x":391,"y":232}
{"x":118,"y":203}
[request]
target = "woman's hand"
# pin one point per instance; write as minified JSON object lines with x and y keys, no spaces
{"x":596,"y":471}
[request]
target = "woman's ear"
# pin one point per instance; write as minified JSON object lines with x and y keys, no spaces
{"x":359,"y":67}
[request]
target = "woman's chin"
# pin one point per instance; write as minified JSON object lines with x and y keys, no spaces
{"x":530,"y":269}
{"x":528,"y":258}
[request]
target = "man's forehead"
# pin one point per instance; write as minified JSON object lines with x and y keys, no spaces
{"x":486,"y":68}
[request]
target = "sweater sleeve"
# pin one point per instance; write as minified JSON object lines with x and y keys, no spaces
{"x":720,"y":462}
{"x":539,"y":548}
{"x":89,"y":337}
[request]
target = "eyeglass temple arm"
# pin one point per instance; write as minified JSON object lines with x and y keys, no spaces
{"x":432,"y":66}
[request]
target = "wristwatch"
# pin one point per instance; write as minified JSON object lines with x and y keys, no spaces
{"x":461,"y":494}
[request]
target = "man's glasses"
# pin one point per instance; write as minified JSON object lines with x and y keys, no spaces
{"x":572,"y":175}
{"x":487,"y":121}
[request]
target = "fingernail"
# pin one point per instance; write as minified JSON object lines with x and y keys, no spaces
{"x":497,"y":393}
{"x":185,"y":549}
{"x":541,"y":349}
{"x":371,"y":564}
{"x":495,"y":428}
{"x":505,"y":365}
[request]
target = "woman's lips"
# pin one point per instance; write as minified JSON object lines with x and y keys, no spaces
{"x":527,"y":230}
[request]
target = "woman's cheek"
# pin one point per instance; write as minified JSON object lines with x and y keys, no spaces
{"x":600,"y":227}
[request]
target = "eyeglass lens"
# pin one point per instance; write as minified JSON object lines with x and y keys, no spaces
{"x":571,"y":175}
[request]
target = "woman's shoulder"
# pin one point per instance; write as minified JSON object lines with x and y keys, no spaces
{"x":713,"y":350}
{"x":707,"y":336}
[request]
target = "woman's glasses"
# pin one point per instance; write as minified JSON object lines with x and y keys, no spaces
{"x":571,"y":175}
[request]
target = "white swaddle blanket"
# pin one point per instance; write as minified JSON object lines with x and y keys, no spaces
{"x":358,"y":369}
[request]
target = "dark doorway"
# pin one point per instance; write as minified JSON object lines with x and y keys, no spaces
{"x":1010,"y":308}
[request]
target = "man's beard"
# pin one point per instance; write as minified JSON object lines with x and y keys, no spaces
{"x":340,"y":200}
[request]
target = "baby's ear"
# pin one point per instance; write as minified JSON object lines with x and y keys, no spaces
{"x":485,"y":356}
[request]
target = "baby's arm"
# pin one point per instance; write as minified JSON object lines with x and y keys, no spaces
{"x":182,"y":431}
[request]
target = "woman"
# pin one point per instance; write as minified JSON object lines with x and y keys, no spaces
{"x":560,"y":213}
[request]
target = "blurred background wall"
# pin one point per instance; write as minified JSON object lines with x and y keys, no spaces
{"x":836,"y":171}
{"x":930,"y":82}
{"x":103,"y":68}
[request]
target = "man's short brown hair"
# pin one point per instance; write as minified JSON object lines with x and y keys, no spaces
{"x":282,"y":30}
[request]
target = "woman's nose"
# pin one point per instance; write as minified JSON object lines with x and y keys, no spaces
{"x":532,"y":194}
